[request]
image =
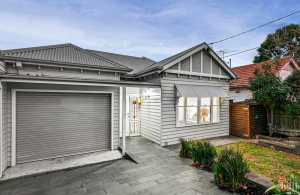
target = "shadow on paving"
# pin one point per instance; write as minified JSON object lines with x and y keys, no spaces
{"x":159,"y":171}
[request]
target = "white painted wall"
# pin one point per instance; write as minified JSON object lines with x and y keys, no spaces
{"x":240,"y":95}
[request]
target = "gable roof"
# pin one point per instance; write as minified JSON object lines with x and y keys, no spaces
{"x":68,"y":54}
{"x":246,"y":72}
{"x":135,"y":63}
{"x":161,"y":65}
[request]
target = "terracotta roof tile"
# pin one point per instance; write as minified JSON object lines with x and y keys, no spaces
{"x":246,"y":72}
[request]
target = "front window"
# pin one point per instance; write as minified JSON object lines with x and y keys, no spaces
{"x":205,"y":108}
{"x":191,"y":110}
{"x":197,"y":111}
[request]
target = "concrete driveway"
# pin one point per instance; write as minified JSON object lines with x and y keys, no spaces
{"x":159,"y":171}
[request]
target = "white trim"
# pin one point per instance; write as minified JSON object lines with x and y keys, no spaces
{"x":13,"y":127}
{"x":201,"y":62}
{"x":200,"y":47}
{"x":211,"y":62}
{"x":13,"y":114}
{"x":221,"y":62}
{"x":112,"y":120}
{"x":191,"y":64}
{"x":81,"y":83}
{"x":197,"y":74}
{"x":168,"y":65}
{"x":1,"y":131}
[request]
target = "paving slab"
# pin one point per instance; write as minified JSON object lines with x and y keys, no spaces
{"x":159,"y":171}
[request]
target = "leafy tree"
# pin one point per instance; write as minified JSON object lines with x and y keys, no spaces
{"x":269,"y":91}
{"x":293,"y":81}
{"x":284,"y":42}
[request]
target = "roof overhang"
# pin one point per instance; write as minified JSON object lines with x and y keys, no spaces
{"x":197,"y":49}
{"x":67,"y":81}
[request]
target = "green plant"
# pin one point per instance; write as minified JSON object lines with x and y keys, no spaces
{"x":204,"y":153}
{"x":288,"y":186}
{"x":186,"y":148}
{"x":269,"y":91}
{"x":230,"y":170}
{"x":284,"y":41}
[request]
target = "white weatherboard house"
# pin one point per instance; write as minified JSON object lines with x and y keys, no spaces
{"x":63,"y":100}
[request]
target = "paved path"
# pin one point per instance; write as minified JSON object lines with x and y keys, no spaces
{"x":160,"y":171}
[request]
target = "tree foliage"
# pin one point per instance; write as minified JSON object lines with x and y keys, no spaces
{"x":293,"y":108}
{"x":284,"y":42}
{"x":269,"y":91}
{"x":294,"y":82}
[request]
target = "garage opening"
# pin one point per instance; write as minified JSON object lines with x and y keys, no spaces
{"x":57,"y":124}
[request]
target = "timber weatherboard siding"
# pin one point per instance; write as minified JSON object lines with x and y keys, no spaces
{"x":7,"y":110}
{"x":150,"y":114}
{"x":170,"y":134}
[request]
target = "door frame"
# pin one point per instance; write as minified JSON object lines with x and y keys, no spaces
{"x":13,"y":113}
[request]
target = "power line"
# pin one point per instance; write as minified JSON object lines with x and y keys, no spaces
{"x":256,"y":27}
{"x":243,"y":51}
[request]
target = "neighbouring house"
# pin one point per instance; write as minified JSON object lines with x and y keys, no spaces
{"x":246,"y":118}
{"x":63,"y":100}
{"x":240,"y":87}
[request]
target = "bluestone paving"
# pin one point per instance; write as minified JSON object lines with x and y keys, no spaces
{"x":159,"y":171}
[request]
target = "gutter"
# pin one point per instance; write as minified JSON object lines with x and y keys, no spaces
{"x":57,"y":80}
{"x":74,"y":65}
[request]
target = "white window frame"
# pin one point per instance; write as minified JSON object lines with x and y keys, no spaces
{"x":199,"y":123}
{"x":13,"y":115}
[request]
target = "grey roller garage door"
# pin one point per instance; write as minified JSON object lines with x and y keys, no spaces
{"x":50,"y":125}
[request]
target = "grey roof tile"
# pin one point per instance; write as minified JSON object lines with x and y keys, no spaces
{"x":135,"y":63}
{"x":63,"y":53}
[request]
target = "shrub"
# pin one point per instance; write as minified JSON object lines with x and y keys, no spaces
{"x":204,"y":154}
{"x":186,"y":148}
{"x":230,"y":170}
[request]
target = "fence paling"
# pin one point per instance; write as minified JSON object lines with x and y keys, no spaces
{"x":287,"y":122}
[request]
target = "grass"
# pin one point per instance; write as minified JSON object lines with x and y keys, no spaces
{"x":266,"y":161}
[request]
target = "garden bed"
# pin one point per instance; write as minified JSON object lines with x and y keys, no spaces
{"x":267,"y":161}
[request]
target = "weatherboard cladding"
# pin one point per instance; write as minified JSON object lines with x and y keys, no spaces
{"x":170,"y":134}
{"x":150,"y":116}
{"x":64,"y":53}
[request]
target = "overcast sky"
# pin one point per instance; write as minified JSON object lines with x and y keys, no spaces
{"x":154,"y":28}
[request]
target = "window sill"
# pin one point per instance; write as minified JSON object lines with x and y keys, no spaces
{"x":192,"y":125}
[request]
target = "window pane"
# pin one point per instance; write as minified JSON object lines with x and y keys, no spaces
{"x":205,"y":101}
{"x":204,"y":114}
{"x":216,"y":114}
{"x":191,"y":115}
{"x":180,"y":101}
{"x":216,"y":101}
{"x":191,"y":101}
{"x":180,"y":115}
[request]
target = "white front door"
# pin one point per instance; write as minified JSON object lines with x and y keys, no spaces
{"x":134,"y":116}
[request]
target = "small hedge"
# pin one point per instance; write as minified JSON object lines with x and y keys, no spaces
{"x":186,"y":148}
{"x":203,"y":154}
{"x":230,"y":170}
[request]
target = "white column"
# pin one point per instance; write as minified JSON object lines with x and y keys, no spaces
{"x":123,"y":122}
{"x":1,"y":132}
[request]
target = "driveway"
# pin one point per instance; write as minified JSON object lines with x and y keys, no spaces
{"x":159,"y":171}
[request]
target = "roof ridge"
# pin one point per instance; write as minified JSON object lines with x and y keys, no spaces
{"x":26,"y":49}
{"x":103,"y":58}
{"x":266,"y":61}
{"x":142,"y":57}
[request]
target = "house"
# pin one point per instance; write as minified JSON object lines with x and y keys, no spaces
{"x":63,"y":100}
{"x":248,"y":119}
{"x":240,"y":88}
